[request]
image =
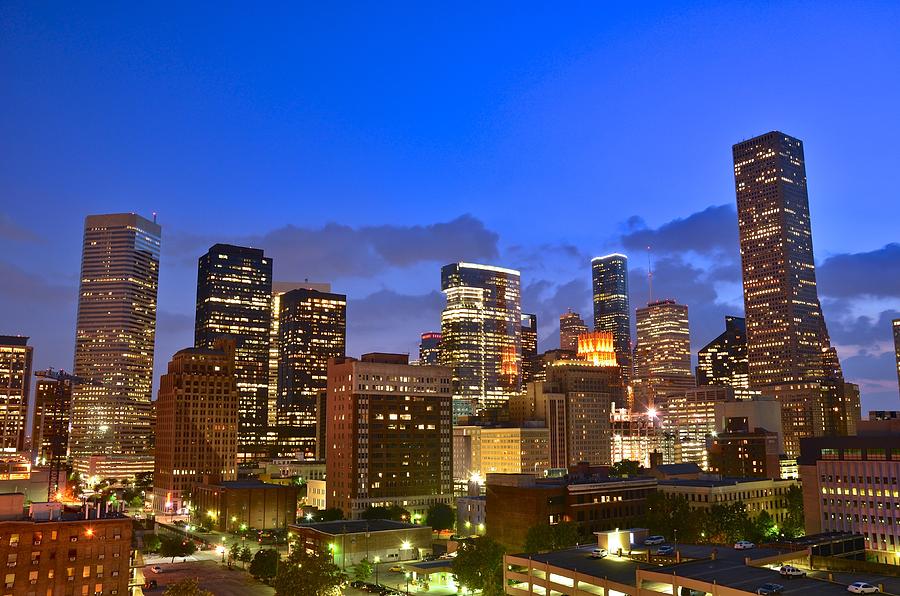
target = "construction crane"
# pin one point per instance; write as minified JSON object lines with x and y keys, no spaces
{"x":58,"y":410}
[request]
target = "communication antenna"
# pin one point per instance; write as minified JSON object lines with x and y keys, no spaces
{"x":649,"y":277}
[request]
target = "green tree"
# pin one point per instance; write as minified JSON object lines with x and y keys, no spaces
{"x":308,"y":574}
{"x":763,"y":527}
{"x":176,"y":547}
{"x":671,"y":515}
{"x":479,"y":565}
{"x":545,"y":537}
{"x":151,"y":543}
{"x":625,"y":468}
{"x":724,"y":524}
{"x":363,"y":570}
{"x":440,"y":517}
{"x":793,"y":525}
{"x":332,"y":514}
{"x":264,"y":564}
{"x":189,"y":586}
{"x":245,"y":556}
{"x":136,"y":502}
{"x":394,"y":512}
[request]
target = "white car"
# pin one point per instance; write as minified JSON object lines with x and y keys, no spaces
{"x":156,"y":569}
{"x":862,"y":588}
{"x":791,"y":571}
{"x":599,"y":553}
{"x":743,"y":545}
{"x":651,"y":540}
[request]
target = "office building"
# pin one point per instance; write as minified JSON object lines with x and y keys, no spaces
{"x":50,"y":427}
{"x":612,"y":312}
{"x":389,"y":434}
{"x":787,"y":339}
{"x":723,"y":361}
{"x":114,"y":337}
{"x":512,"y":450}
{"x":234,"y":295}
{"x":430,"y":348}
{"x":349,"y":542}
{"x":15,"y":386}
{"x":226,"y":506}
{"x":850,"y":485}
{"x":312,"y":330}
{"x":49,"y":550}
{"x":662,"y":357}
{"x":757,"y":494}
{"x":691,"y":418}
{"x":571,"y":325}
{"x":196,"y":424}
{"x":466,"y":452}
{"x":896,"y":327}
{"x":481,"y":335}
{"x":640,"y":437}
{"x":741,"y":451}
{"x":529,"y":347}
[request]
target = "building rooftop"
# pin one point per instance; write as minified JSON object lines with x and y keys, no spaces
{"x":685,"y":468}
{"x":357,"y":526}
{"x":714,"y":482}
{"x":249,"y":483}
{"x":618,"y":569}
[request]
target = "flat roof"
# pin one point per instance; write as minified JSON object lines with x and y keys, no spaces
{"x":618,"y":569}
{"x":357,"y":526}
{"x":701,"y":483}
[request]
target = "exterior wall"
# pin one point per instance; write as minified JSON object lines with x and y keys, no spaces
{"x":514,"y":450}
{"x":470,"y":515}
{"x":759,"y":495}
{"x":264,"y":507}
{"x":315,"y":493}
{"x":15,"y":383}
{"x":352,"y":547}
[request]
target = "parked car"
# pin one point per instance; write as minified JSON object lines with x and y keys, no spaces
{"x":396,"y":569}
{"x":769,"y":589}
{"x":743,"y":545}
{"x":862,"y":588}
{"x":666,"y":551}
{"x":791,"y":571}
{"x":431,"y":557}
{"x":156,"y":569}
{"x":150,"y":584}
{"x":651,"y":540}
{"x":599,"y":553}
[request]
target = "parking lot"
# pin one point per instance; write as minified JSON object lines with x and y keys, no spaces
{"x":212,"y":575}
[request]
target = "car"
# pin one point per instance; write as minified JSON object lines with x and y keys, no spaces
{"x":665,"y":551}
{"x":791,"y":571}
{"x":651,"y":540}
{"x":599,"y":553}
{"x":769,"y":589}
{"x":358,"y":585}
{"x":156,"y":569}
{"x":396,"y":569}
{"x":431,"y":557}
{"x":743,"y":545}
{"x":862,"y":588}
{"x":150,"y":584}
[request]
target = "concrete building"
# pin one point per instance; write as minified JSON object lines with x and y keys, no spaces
{"x":691,"y":418}
{"x":294,"y":470}
{"x":612,"y":313}
{"x":640,"y":437}
{"x":389,"y":434}
{"x":258,"y":505}
{"x":758,"y":494}
{"x":114,"y":340}
{"x":481,"y":335}
{"x":52,"y":414}
{"x":379,"y":540}
{"x":315,"y":494}
{"x":571,"y":325}
{"x":744,"y":452}
{"x":196,"y":424}
{"x":480,"y":450}
{"x":15,"y":391}
{"x":850,"y":485}
{"x":662,"y":357}
{"x":470,"y":515}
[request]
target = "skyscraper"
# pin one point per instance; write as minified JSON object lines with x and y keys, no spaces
{"x":663,"y":352}
{"x":481,"y":335}
{"x":312,"y":329}
{"x":611,"y":306}
{"x":723,"y":361}
{"x":787,"y":340}
{"x":50,"y":427}
{"x":430,"y":348}
{"x":896,"y":325}
{"x":114,"y":340}
{"x":529,"y":346}
{"x":234,"y":293}
{"x":196,"y":424}
{"x":571,"y":325}
{"x":15,"y":383}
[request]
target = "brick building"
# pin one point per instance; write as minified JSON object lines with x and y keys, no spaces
{"x":227,"y":505}
{"x":350,"y":541}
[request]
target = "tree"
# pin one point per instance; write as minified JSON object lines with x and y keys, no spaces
{"x":187,"y":587}
{"x":245,"y":556}
{"x":394,"y":512}
{"x":440,"y":517}
{"x":671,"y":515}
{"x":151,"y":543}
{"x":363,"y":570}
{"x":625,"y":468}
{"x":724,"y":524}
{"x":793,"y":525}
{"x":479,"y":565}
{"x":136,"y":502}
{"x":332,"y":514}
{"x":306,"y":573}
{"x":264,"y":564}
{"x":176,"y":547}
{"x":763,"y":527}
{"x":544,"y":537}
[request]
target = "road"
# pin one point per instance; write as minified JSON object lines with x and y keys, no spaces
{"x":213,"y":577}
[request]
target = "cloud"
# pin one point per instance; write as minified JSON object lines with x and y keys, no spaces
{"x":10,"y":230}
{"x":864,"y":330}
{"x":874,"y":273}
{"x":548,"y":300}
{"x":335,"y":250}
{"x":388,"y":321}
{"x":711,"y":231}
{"x":27,"y":289}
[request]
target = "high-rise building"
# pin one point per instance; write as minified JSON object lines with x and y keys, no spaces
{"x":430,"y":348}
{"x":196,"y":424}
{"x":279,"y":288}
{"x":896,"y":325}
{"x":691,"y":417}
{"x":234,"y":294}
{"x":571,"y":325}
{"x":389,"y":434}
{"x":529,"y":347}
{"x":723,"y":361}
{"x":481,"y":335}
{"x":114,"y":340}
{"x":663,"y":353}
{"x":15,"y":385}
{"x":312,"y":330}
{"x":50,"y":427}
{"x":611,"y":306}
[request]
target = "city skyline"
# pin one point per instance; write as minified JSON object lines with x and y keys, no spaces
{"x":467,"y":180}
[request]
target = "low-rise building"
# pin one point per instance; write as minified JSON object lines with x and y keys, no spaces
{"x":351,"y":541}
{"x":470,"y":515}
{"x":758,"y":494}
{"x":283,"y":471}
{"x":228,"y":505}
{"x":315,"y":494}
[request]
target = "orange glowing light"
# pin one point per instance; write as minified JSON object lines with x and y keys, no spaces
{"x":597,"y":348}
{"x":89,"y":532}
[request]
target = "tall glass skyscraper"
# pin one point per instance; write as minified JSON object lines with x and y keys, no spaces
{"x":723,"y":361}
{"x":529,"y":346}
{"x":481,"y":335}
{"x":611,"y":307}
{"x":430,"y":348}
{"x":15,"y":388}
{"x":234,"y":293}
{"x":663,"y":352}
{"x":114,"y":338}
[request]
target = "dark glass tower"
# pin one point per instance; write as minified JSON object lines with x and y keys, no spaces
{"x":430,"y":348}
{"x":234,"y":290}
{"x":896,"y":325}
{"x":723,"y":361}
{"x":312,"y":328}
{"x":529,"y":346}
{"x":611,"y":308}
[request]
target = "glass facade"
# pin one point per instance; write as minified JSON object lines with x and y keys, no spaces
{"x":481,"y":335}
{"x":529,"y":347}
{"x":723,"y":361}
{"x":571,"y":325}
{"x":430,"y":348}
{"x":612,"y":312}
{"x":15,"y":383}
{"x":234,"y":293}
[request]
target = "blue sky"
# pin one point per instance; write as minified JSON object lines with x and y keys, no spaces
{"x":367,"y":145}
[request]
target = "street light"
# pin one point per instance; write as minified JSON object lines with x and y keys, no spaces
{"x":377,"y":561}
{"x":407,"y":574}
{"x":221,"y":550}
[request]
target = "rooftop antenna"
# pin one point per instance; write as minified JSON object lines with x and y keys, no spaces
{"x":649,"y":277}
{"x":154,"y":217}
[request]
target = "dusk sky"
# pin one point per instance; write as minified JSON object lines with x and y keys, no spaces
{"x":367,"y":145}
